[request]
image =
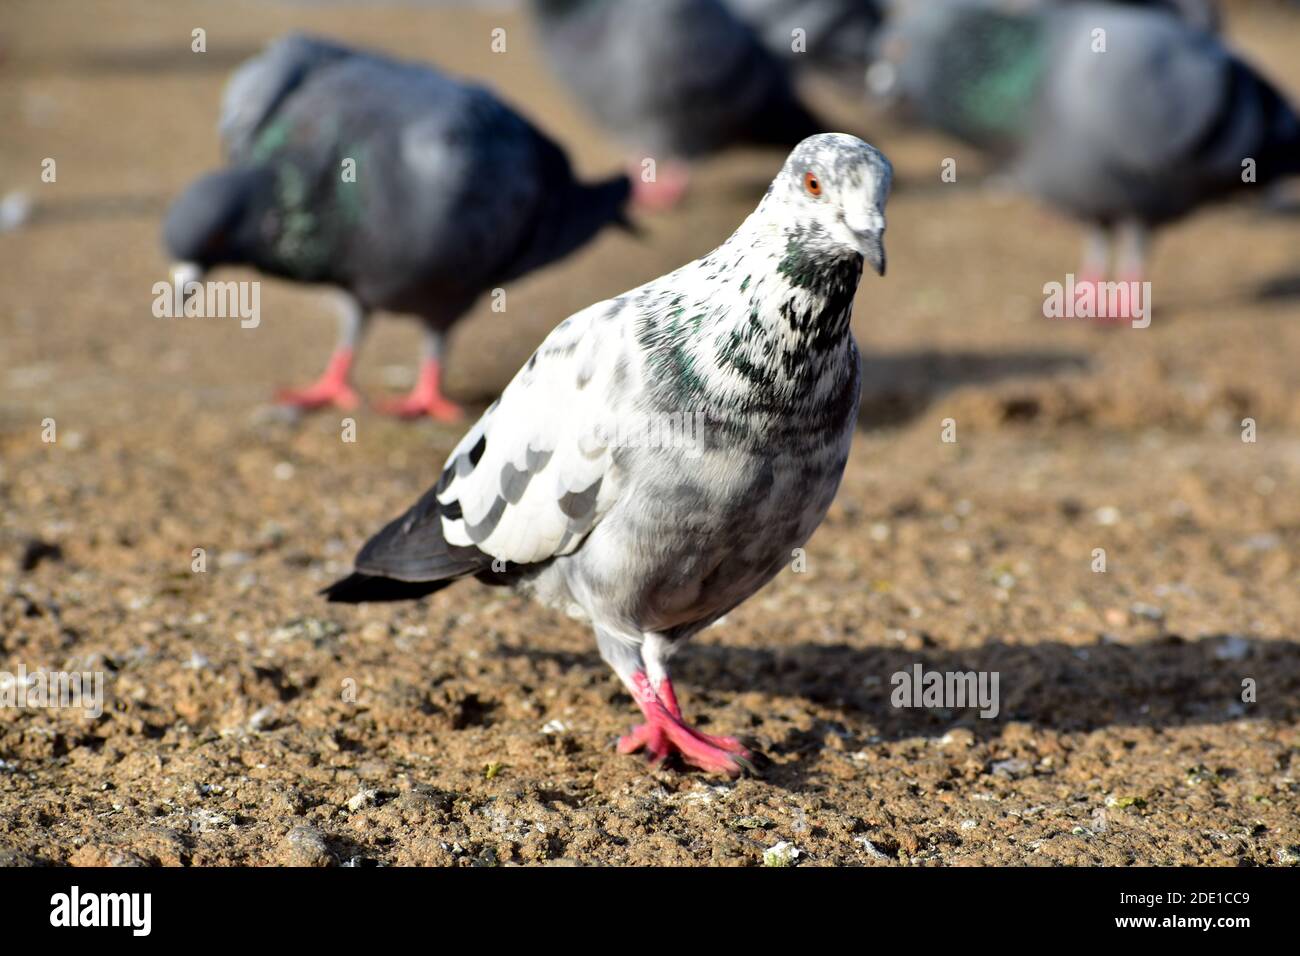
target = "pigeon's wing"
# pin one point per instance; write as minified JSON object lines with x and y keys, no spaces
{"x":1165,"y":116}
{"x":534,"y":212}
{"x":474,"y":181}
{"x":533,"y":476}
{"x":258,"y":87}
{"x":1153,"y":94}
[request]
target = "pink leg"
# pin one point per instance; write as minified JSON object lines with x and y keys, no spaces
{"x":665,"y":733}
{"x":1096,"y":281}
{"x":426,"y":398}
{"x":665,"y":191}
{"x":331,"y":388}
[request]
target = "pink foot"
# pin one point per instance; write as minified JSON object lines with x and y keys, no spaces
{"x":662,"y":193}
{"x":425,"y":399}
{"x":331,"y":388}
{"x":665,"y":733}
{"x":1135,"y":303}
{"x":1090,"y":288}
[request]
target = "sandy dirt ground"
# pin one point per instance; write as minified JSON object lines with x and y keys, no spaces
{"x":247,"y":722}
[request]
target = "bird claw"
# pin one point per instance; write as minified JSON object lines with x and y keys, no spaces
{"x":331,"y":388}
{"x":421,"y":406}
{"x":661,"y":738}
{"x":319,"y":395}
{"x":425,"y":400}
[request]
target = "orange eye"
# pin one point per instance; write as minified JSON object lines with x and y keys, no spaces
{"x":812,"y":184}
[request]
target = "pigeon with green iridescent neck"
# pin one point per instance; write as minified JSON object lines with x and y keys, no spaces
{"x":1125,"y":118}
{"x":662,"y":454}
{"x":405,"y":189}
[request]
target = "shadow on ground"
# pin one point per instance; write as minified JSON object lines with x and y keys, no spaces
{"x":1163,"y":683}
{"x":898,"y":387}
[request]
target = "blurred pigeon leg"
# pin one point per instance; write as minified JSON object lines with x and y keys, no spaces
{"x":333,"y":388}
{"x":664,"y":191}
{"x":426,"y":398}
{"x":1132,"y":243}
{"x":1093,"y":268}
{"x":1096,"y":256}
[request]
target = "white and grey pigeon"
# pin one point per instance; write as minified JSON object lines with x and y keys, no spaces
{"x":674,"y":81}
{"x":833,"y":37}
{"x":406,"y":189}
{"x":661,"y":454}
{"x":1165,"y":120}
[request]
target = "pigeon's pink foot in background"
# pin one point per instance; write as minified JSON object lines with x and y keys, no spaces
{"x":662,"y":193}
{"x":665,"y":733}
{"x":425,"y":399}
{"x":331,"y":388}
{"x":1134,"y":299}
{"x":1095,"y":284}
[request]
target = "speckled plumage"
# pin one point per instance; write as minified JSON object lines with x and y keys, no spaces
{"x":752,"y":344}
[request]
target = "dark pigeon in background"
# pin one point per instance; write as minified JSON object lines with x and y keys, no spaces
{"x":1126,"y":140}
{"x":837,"y":34}
{"x":673,"y":80}
{"x":454,"y":194}
{"x":662,"y":454}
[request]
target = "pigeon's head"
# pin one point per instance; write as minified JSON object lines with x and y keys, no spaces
{"x":209,"y":224}
{"x":830,"y":199}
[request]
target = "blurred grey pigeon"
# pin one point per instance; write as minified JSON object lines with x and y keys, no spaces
{"x":673,"y":80}
{"x":833,"y":37}
{"x":1163,"y":120}
{"x":662,"y":454}
{"x":406,"y":189}
{"x":1204,"y":14}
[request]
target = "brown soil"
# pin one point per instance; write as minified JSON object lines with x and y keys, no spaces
{"x":229,"y":738}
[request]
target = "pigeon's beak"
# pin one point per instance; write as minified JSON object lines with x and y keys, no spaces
{"x":869,"y":238}
{"x":872,"y":247}
{"x":183,"y":273}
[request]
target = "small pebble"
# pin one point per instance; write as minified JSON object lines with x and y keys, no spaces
{"x":783,"y":854}
{"x":306,"y":846}
{"x":362,"y":798}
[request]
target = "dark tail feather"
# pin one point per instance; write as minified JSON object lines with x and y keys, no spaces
{"x":408,"y":559}
{"x":614,"y":194}
{"x":363,"y":588}
{"x":610,"y":198}
{"x":1281,"y":154}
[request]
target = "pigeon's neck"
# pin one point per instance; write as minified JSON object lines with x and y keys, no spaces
{"x":759,"y":330}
